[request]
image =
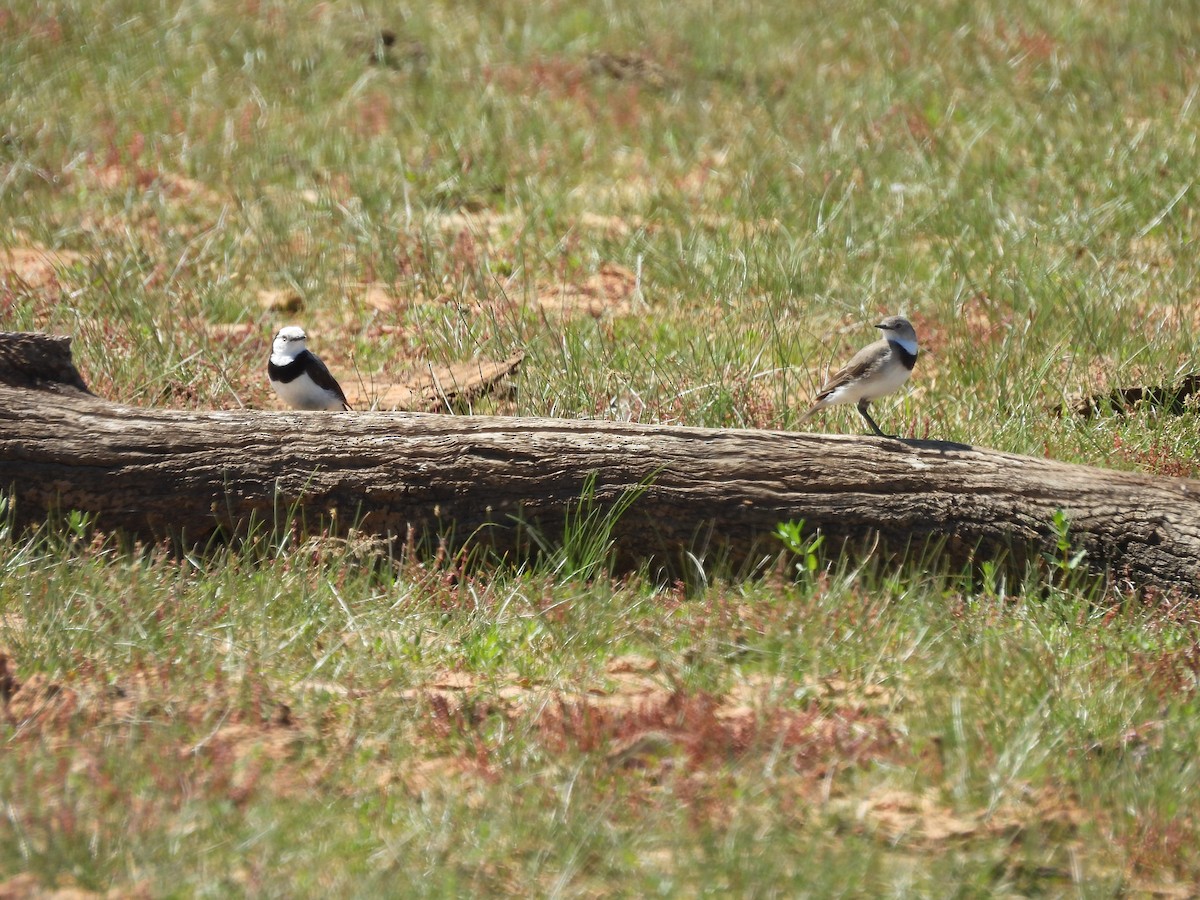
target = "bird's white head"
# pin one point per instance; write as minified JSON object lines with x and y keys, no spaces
{"x":289,"y":342}
{"x":900,"y":330}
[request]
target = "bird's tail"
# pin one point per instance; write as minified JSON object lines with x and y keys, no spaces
{"x":811,"y":411}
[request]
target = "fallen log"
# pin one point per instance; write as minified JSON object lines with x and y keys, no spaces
{"x":1173,"y":398}
{"x":444,"y":388}
{"x":157,"y":472}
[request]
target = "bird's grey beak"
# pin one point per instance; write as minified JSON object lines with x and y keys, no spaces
{"x":880,"y":325}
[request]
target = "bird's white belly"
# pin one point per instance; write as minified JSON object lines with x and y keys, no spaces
{"x":890,"y":379}
{"x":303,"y":393}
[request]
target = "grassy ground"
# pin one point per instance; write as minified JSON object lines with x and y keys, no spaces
{"x":682,"y":213}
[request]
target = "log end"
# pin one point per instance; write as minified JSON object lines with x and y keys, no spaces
{"x":40,"y":361}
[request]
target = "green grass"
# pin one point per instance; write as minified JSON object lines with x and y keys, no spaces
{"x":769,"y":179}
{"x":208,"y":720}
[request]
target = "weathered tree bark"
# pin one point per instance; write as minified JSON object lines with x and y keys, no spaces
{"x":1173,"y":398}
{"x":162,"y":473}
{"x":447,"y":388}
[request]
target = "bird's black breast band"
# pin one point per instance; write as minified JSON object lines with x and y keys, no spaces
{"x":286,"y":374}
{"x":909,"y":359}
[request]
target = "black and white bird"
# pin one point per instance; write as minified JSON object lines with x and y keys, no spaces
{"x":299,"y":377}
{"x":875,"y":370}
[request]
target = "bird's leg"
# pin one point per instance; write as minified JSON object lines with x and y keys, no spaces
{"x":862,"y":408}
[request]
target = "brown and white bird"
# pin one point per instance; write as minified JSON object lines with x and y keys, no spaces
{"x":299,"y":377}
{"x":874,"y":371}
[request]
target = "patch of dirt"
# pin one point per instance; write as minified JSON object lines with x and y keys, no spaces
{"x":1148,"y":252}
{"x":38,"y":699}
{"x":243,"y":751}
{"x":117,"y":174}
{"x":631,"y":663}
{"x":380,"y":297}
{"x":250,"y":748}
{"x":492,"y":225}
{"x":896,"y":815}
{"x":740,"y":229}
{"x":441,"y":775}
{"x":480,"y":223}
{"x":36,"y":267}
{"x":638,"y":722}
{"x":236,"y":332}
{"x":838,"y":692}
{"x":28,"y":886}
{"x":611,"y":226}
{"x":611,"y":291}
{"x":1162,"y":318}
{"x":923,"y":820}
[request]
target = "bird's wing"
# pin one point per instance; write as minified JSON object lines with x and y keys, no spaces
{"x":323,"y":378}
{"x":862,"y":365}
